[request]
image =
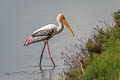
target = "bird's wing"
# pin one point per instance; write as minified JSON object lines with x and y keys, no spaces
{"x":46,"y":32}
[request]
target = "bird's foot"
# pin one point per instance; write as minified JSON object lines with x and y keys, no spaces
{"x":54,"y":66}
{"x":40,"y":67}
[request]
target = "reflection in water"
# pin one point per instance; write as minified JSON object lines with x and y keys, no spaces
{"x":33,"y":73}
{"x":49,"y":72}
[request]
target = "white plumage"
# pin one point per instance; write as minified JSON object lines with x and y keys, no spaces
{"x":47,"y":27}
{"x":46,"y":32}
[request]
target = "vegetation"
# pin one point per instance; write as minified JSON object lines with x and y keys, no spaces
{"x":98,"y":58}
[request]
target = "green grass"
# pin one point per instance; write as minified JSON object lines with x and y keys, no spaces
{"x":107,"y":65}
{"x":103,"y":55}
{"x":103,"y":66}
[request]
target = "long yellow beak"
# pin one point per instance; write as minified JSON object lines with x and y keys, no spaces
{"x":67,"y":25}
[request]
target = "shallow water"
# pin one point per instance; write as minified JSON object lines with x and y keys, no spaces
{"x":19,"y":18}
{"x":34,"y":73}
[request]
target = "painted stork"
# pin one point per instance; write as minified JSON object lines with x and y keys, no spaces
{"x":47,"y":32}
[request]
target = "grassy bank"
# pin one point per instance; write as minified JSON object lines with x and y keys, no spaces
{"x":101,"y":60}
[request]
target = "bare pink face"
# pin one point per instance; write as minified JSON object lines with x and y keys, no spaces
{"x":62,"y":18}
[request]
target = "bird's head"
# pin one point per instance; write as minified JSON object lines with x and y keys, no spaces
{"x":61,"y":18}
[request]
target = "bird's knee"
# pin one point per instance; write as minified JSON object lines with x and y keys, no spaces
{"x":50,"y":57}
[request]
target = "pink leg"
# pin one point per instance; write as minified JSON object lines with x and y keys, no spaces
{"x":42,"y":56}
{"x":50,"y":54}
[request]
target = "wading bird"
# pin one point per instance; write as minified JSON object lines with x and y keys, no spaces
{"x":47,"y":32}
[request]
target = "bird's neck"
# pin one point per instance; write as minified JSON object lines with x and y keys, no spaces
{"x":60,"y":27}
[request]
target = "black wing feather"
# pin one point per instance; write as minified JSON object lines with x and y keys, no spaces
{"x":43,"y":33}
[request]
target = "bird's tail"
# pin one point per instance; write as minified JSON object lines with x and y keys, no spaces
{"x":28,"y":41}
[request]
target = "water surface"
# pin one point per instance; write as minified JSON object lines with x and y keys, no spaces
{"x":19,"y":18}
